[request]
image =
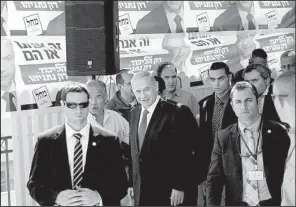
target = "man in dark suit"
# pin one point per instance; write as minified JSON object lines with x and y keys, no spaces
{"x":167,"y":18}
{"x":163,"y":140}
{"x":259,"y":56}
{"x":8,"y":84}
{"x":260,"y":76}
{"x":77,"y":163}
{"x":249,"y":156}
{"x":215,"y":110}
{"x":240,"y":16}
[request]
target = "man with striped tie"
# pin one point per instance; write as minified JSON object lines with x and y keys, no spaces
{"x":77,"y":163}
{"x":249,"y":156}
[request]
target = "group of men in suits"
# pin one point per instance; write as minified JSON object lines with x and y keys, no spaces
{"x":81,"y":163}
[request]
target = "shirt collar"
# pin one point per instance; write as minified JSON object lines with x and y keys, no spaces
{"x":224,"y":98}
{"x":176,"y":93}
{"x":266,"y":90}
{"x":84,"y":131}
{"x":244,"y":13}
{"x":11,"y":89}
{"x":172,"y":15}
{"x":152,"y":107}
{"x":253,"y":127}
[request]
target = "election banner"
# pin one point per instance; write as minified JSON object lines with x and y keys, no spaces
{"x":208,"y":31}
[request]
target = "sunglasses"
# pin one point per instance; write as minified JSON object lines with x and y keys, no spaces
{"x":72,"y":105}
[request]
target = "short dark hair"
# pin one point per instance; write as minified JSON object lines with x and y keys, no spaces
{"x":242,"y":85}
{"x":262,"y":70}
{"x":161,"y":84}
{"x":73,"y":87}
{"x":119,"y":79}
{"x":220,"y":65}
{"x":259,"y":53}
{"x":162,"y":65}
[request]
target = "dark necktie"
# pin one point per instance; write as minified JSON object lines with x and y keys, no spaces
{"x":78,"y":162}
{"x":217,"y":116}
{"x":250,"y":22}
{"x":179,"y":28}
{"x":142,"y":128}
{"x":9,"y":99}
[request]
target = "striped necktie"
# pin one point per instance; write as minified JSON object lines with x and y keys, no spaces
{"x":78,"y":162}
{"x":251,"y":163}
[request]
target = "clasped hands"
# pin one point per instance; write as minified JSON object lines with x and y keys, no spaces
{"x":78,"y":197}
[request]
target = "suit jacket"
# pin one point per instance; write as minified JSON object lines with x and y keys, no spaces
{"x":269,"y":111}
{"x":104,"y":170}
{"x":57,"y":26}
{"x":226,"y":166}
{"x":206,"y":122}
{"x":229,"y":20}
{"x":166,"y":159}
{"x":154,"y":22}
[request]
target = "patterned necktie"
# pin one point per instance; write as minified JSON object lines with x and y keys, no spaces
{"x":251,"y":163}
{"x":78,"y":162}
{"x":179,"y":28}
{"x":9,"y":99}
{"x":250,"y":22}
{"x":142,"y":128}
{"x":217,"y":116}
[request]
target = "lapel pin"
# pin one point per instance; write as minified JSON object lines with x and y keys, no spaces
{"x":268,"y":131}
{"x":94,"y":144}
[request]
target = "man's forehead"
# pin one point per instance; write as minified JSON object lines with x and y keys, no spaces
{"x":6,"y":48}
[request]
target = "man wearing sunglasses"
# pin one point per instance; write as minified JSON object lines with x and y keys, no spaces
{"x":249,"y":156}
{"x":77,"y":163}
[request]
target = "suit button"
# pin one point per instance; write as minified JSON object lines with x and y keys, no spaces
{"x":140,"y":160}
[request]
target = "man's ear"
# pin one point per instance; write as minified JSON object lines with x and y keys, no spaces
{"x":267,"y":81}
{"x":62,"y":103}
{"x":230,"y":78}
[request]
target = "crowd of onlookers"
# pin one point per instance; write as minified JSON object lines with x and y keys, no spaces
{"x":154,"y":144}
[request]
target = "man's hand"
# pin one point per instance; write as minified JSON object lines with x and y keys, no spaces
{"x":177,"y":197}
{"x":86,"y":197}
{"x":130,"y":192}
{"x":65,"y":198}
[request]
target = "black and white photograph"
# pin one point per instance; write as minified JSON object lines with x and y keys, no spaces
{"x":160,"y":103}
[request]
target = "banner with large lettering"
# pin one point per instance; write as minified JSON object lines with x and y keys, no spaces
{"x":42,"y":63}
{"x":191,"y":34}
{"x":193,"y":53}
{"x":150,"y":17}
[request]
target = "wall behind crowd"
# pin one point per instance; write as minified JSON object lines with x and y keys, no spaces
{"x":36,"y":62}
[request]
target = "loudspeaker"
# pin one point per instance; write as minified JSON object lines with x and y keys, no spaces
{"x":92,"y":37}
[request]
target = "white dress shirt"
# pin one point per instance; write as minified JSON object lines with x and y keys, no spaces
{"x":243,"y":15}
{"x":171,"y":16}
{"x":151,"y":110}
{"x":113,"y":122}
{"x":263,"y":190}
{"x":71,"y":141}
